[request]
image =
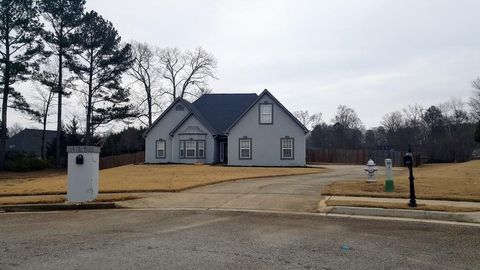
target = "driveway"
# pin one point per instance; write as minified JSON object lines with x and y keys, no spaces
{"x":299,"y":193}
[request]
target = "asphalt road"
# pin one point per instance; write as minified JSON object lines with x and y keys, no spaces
{"x":153,"y":239}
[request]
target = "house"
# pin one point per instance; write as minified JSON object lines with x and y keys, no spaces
{"x":234,"y":129}
{"x":29,"y":141}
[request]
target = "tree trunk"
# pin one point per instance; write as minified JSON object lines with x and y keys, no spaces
{"x":58,"y":139}
{"x":89,"y":130}
{"x":42,"y":151}
{"x":149,"y":101}
{"x":148,"y":90}
{"x":6,"y":90}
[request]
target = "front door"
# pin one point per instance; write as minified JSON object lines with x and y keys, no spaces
{"x":223,"y":152}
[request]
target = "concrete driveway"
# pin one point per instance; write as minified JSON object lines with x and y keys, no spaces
{"x":299,"y":193}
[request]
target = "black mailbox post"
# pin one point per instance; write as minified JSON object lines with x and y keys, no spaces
{"x":408,"y":161}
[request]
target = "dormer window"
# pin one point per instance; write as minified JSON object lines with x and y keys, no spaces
{"x":266,"y":113}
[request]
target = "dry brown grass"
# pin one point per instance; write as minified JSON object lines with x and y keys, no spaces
{"x":460,"y":181}
{"x":143,"y":178}
{"x":61,"y":199}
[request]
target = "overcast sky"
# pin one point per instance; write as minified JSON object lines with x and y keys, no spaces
{"x":374,"y":56}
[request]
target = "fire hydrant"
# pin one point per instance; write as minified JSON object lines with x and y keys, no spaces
{"x":370,"y":169}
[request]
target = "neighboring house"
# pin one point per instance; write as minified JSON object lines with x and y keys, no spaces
{"x":30,"y":141}
{"x":235,"y":129}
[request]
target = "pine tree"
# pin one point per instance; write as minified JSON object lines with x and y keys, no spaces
{"x":72,"y":135}
{"x":99,"y":62}
{"x":19,"y":48}
{"x":63,"y":17}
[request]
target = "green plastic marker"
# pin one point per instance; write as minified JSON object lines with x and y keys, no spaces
{"x":389,"y":171}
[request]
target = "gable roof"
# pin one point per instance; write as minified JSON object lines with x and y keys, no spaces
{"x":200,"y":116}
{"x":189,"y":129}
{"x":222,"y":109}
{"x":266,"y":92}
{"x":192,"y":110}
{"x":220,"y":112}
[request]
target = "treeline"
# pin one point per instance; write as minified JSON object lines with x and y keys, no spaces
{"x":447,"y":132}
{"x":129,"y":140}
{"x":66,"y":52}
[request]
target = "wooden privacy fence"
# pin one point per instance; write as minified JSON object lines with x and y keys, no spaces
{"x":357,"y":156}
{"x":120,"y":160}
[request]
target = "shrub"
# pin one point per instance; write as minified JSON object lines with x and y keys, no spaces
{"x":20,"y":162}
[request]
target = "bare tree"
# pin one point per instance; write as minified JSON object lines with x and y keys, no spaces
{"x":413,"y":115}
{"x":454,"y":111}
{"x":392,"y":121}
{"x":347,"y":117}
{"x":187,"y":72}
{"x":144,"y":71}
{"x":309,"y":121}
{"x":474,"y":101}
{"x":46,"y":82}
{"x":43,"y":102}
{"x":14,"y":129}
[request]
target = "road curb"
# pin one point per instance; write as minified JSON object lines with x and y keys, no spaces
{"x":56,"y":207}
{"x":400,"y":213}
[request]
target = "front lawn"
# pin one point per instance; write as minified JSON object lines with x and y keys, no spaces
{"x":141,"y":178}
{"x":460,"y":181}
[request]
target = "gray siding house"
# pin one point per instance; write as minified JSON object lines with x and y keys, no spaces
{"x":234,"y":129}
{"x":29,"y":141}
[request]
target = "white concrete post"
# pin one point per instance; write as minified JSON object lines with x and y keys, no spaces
{"x":83,"y":167}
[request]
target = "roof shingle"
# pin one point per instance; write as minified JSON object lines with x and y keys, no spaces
{"x":221,"y":110}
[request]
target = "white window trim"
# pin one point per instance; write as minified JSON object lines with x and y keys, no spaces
{"x":249,"y":148}
{"x":200,"y":148}
{"x":194,"y":149}
{"x":265,"y":114}
{"x":182,"y":149}
{"x":291,"y":148}
{"x":157,"y":149}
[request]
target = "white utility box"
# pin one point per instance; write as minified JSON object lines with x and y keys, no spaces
{"x":83,"y":166}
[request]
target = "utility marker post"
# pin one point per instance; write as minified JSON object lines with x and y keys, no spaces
{"x":389,"y":187}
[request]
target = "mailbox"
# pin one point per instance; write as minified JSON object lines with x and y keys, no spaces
{"x":83,"y":166}
{"x":408,"y":160}
{"x":79,"y":159}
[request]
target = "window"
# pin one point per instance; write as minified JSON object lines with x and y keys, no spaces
{"x":245,"y":145}
{"x":179,"y":108}
{"x":286,"y":148}
{"x":191,"y":147}
{"x":161,"y":146}
{"x":201,"y":149}
{"x":182,"y":149}
{"x":266,"y":113}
